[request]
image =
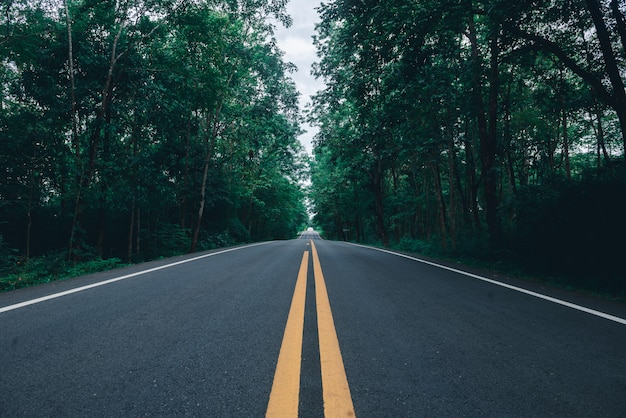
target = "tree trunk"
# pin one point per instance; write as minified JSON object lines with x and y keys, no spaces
{"x":470,"y":174}
{"x":212,"y":125}
{"x":102,"y":112}
{"x":138,"y":233}
{"x":379,"y":203}
{"x":621,"y":115}
{"x":185,"y":186}
{"x":250,"y":207}
{"x":441,"y":204}
{"x":599,"y":131}
{"x":196,"y":232}
{"x":28,"y":231}
{"x":489,"y":147}
{"x":610,"y":60}
{"x":75,"y":141}
{"x":129,"y":248}
{"x":101,"y":228}
{"x":70,"y":53}
{"x":454,"y":188}
{"x":568,"y":168}
{"x":507,"y":138}
{"x":487,"y":132}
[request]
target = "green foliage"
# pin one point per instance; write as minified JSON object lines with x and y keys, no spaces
{"x":417,"y":246}
{"x":8,"y":259}
{"x":168,"y":240}
{"x":573,"y":228}
{"x":52,"y":267}
{"x":137,"y":130}
{"x":468,"y":129}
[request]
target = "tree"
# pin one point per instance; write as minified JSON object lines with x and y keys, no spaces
{"x":167,"y":117}
{"x":444,"y":113}
{"x":588,"y":37}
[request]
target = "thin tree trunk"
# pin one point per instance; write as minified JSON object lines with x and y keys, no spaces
{"x":470,"y":174}
{"x":599,"y":131}
{"x":378,"y":204}
{"x":101,"y":114}
{"x":196,"y":232}
{"x":250,"y":207}
{"x":212,"y":124}
{"x":70,"y":54}
{"x":441,"y":204}
{"x":129,"y":248}
{"x":28,"y":231}
{"x":487,"y":130}
{"x":185,"y":187}
{"x":568,"y":169}
{"x":507,"y":138}
{"x":488,"y":149}
{"x":610,"y":60}
{"x":215,"y":131}
{"x":75,"y":141}
{"x":138,"y":233}
{"x":452,"y":205}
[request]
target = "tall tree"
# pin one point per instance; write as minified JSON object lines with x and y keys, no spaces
{"x":168,"y":117}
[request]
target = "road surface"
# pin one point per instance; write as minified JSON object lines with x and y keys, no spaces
{"x":307,"y":327}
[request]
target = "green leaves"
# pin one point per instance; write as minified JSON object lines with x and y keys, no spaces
{"x":436,"y":113}
{"x":161,"y":104}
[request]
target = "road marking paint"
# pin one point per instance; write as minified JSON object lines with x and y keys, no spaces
{"x":117,"y":279}
{"x":508,"y":286}
{"x":284,"y":397}
{"x":336,"y":391}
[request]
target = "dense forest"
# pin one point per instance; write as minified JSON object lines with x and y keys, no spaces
{"x":136,"y":129}
{"x":488,"y":129}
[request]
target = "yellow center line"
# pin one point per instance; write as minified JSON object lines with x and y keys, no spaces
{"x":284,"y":397}
{"x":337,"y":398}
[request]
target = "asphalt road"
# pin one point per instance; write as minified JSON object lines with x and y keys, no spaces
{"x":203,"y":338}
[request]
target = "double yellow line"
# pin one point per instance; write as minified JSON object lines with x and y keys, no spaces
{"x":284,"y":397}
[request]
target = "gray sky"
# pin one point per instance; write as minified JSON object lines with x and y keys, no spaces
{"x":297,"y":43}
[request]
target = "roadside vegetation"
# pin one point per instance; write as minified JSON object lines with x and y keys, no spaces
{"x":482,"y":130}
{"x":136,"y":130}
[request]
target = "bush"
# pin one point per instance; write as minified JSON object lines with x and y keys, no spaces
{"x":8,"y":258}
{"x":417,"y":246}
{"x":575,"y":229}
{"x":168,"y":240}
{"x":52,"y":267}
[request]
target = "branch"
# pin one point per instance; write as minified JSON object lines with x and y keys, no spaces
{"x":113,"y":61}
{"x":545,"y":45}
{"x":610,"y":62}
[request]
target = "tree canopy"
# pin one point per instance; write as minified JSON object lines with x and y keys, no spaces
{"x":473,"y":126}
{"x":137,"y":129}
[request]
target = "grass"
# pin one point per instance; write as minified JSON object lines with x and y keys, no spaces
{"x":51,"y":268}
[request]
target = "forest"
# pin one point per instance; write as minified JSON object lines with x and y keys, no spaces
{"x":488,"y":130}
{"x":483,"y":130}
{"x":137,"y":129}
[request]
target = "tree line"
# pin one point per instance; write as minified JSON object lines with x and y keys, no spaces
{"x":486,"y":128}
{"x":144,"y":128}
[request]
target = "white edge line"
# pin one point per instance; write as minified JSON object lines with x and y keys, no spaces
{"x":117,"y":279}
{"x":508,"y":286}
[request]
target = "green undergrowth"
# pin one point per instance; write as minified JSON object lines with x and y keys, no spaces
{"x":49,"y":268}
{"x":505,"y":264}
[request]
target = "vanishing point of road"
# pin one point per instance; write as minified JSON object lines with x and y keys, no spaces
{"x":308,"y":328}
